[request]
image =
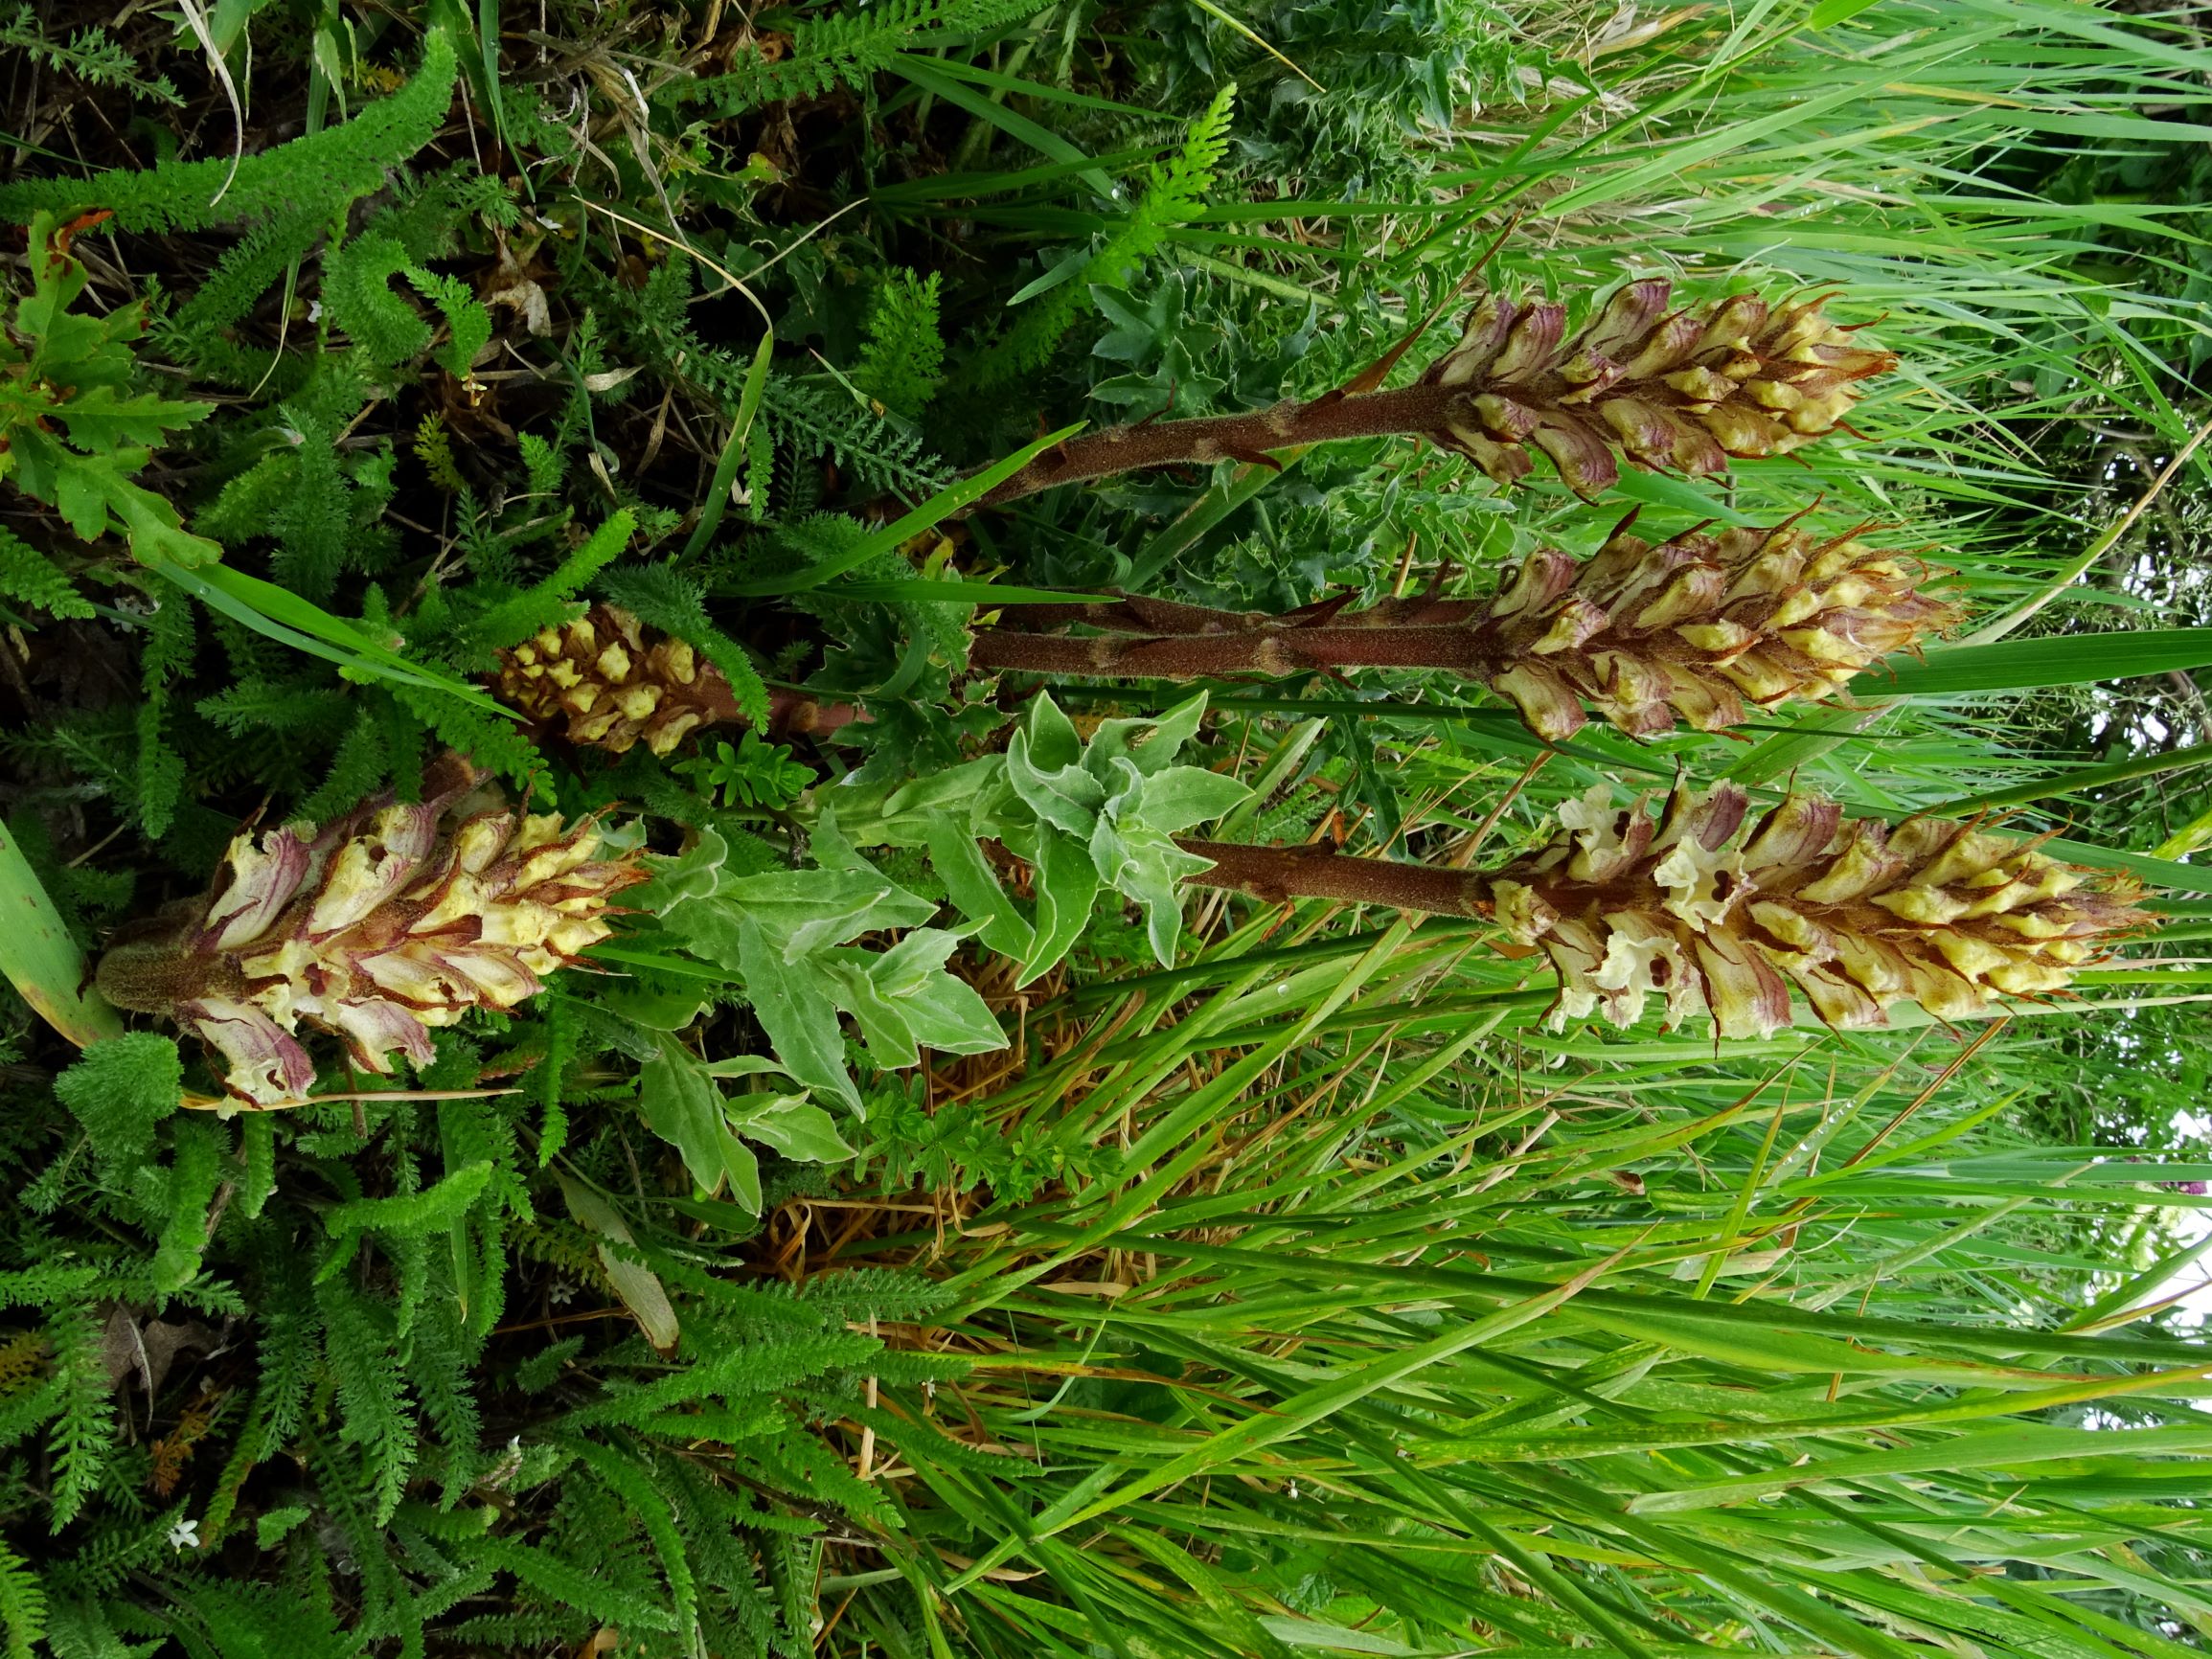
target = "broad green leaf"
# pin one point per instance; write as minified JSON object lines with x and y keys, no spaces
{"x":1048,"y":735}
{"x":681,"y":1104}
{"x":638,"y":1286}
{"x":103,"y":420}
{"x":1153,"y":876}
{"x":1181,"y":796}
{"x":901,"y":813}
{"x":791,"y":1124}
{"x":695,"y":873}
{"x":974,"y":888}
{"x":1044,"y":764}
{"x":1067,"y":887}
{"x":659,"y":1010}
{"x":846,"y":976}
{"x":42,"y":960}
{"x":795,"y":1009}
{"x":1150,"y":745}
{"x":941,"y":1010}
{"x":803,"y":910}
{"x":741,"y":1066}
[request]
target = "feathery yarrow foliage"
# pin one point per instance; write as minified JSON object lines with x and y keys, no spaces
{"x":320,"y":170}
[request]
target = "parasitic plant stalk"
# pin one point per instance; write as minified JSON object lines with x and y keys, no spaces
{"x":1720,"y":912}
{"x":379,"y":925}
{"x":1678,"y":391}
{"x":1692,"y":629}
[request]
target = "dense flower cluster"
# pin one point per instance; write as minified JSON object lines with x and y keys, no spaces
{"x":1692,"y":629}
{"x":1718,"y":912}
{"x":391,"y":919}
{"x":609,"y":687}
{"x":1679,"y":390}
{"x":1695,"y":627}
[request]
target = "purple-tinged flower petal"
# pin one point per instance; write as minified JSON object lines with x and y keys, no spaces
{"x":268,"y":1066}
{"x":254,"y":885}
{"x":373,"y":1029}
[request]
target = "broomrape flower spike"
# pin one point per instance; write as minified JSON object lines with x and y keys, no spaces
{"x":1695,"y":627}
{"x":1678,"y":391}
{"x":1681,"y":390}
{"x":377,"y":926}
{"x":1718,"y":912}
{"x":599,"y":674}
{"x":609,"y":682}
{"x":1691,"y":630}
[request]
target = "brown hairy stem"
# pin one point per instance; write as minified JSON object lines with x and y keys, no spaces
{"x":1697,"y":629}
{"x":1281,"y":874}
{"x":795,"y":714}
{"x":1141,"y":614}
{"x":1248,"y":437}
{"x":1273,"y":652}
{"x":1682,"y":391}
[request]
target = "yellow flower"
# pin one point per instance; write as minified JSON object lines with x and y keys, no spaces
{"x":1694,"y":628}
{"x":610,"y":689}
{"x":1720,"y":913}
{"x":391,"y":920}
{"x":1681,"y":390}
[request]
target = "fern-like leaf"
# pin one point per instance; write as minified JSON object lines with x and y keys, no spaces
{"x":638,"y":1492}
{"x":484,"y":738}
{"x":360,"y":765}
{"x":82,"y":1435}
{"x":904,"y":357}
{"x":30,"y":577}
{"x":547,"y":602}
{"x":358,"y":292}
{"x":321,"y":171}
{"x":662,"y":598}
{"x":311,"y":518}
{"x":22,"y":1604}
{"x":1176,"y":193}
{"x":851,"y":47}
{"x":241,"y":277}
{"x":376,"y":1415}
{"x":812,"y":419}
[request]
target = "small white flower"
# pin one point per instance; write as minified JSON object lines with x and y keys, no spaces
{"x":560,"y":1293}
{"x":184,"y":1536}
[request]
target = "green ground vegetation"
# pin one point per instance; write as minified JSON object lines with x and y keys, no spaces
{"x":936,"y":1221}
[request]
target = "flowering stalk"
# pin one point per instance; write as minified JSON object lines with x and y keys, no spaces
{"x":1680,"y":391}
{"x":1718,"y":912}
{"x":610,"y":684}
{"x":1689,"y":630}
{"x":391,"y":919}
